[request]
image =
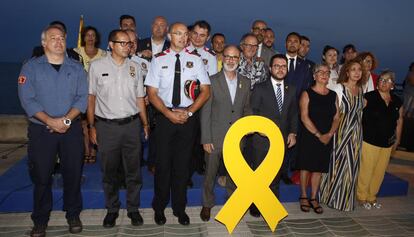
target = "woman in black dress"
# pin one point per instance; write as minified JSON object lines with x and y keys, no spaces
{"x":320,"y":119}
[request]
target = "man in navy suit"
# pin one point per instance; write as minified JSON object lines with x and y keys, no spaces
{"x":158,"y":42}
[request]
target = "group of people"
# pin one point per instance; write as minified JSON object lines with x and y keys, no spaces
{"x":339,"y":121}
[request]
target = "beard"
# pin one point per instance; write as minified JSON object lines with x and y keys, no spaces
{"x":229,"y":68}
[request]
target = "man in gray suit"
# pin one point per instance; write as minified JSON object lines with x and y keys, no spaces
{"x":275,"y":100}
{"x":229,"y":101}
{"x":258,"y":29}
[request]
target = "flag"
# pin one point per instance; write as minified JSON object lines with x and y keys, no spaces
{"x":80,"y":31}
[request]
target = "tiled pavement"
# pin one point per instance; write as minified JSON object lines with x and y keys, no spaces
{"x":396,"y":218}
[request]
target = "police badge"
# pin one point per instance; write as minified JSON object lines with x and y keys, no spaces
{"x":144,"y":66}
{"x":132,"y":71}
{"x":205,"y":61}
{"x":189,"y":64}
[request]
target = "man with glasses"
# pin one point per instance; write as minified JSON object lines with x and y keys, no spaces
{"x":171,"y":82}
{"x":116,"y":101}
{"x":250,"y":65}
{"x":199,"y":35}
{"x":229,"y":101}
{"x":259,"y":29}
{"x":275,"y":100}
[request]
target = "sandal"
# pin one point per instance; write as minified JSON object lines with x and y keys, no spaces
{"x":304,"y":207}
{"x":92,"y":159}
{"x":86,"y":159}
{"x":316,"y":208}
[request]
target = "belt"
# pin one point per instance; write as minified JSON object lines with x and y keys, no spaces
{"x":121,"y":121}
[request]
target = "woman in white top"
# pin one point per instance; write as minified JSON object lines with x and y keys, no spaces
{"x":369,"y":63}
{"x":330,"y":58}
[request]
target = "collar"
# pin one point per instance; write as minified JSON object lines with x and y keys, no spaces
{"x":275,"y":82}
{"x":289,"y":57}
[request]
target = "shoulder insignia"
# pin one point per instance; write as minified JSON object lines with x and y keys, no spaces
{"x":205,"y":61}
{"x":211,"y":51}
{"x":160,"y":54}
{"x":144,"y":66}
{"x":132,"y":71}
{"x":192,"y":52}
{"x":21,"y":80}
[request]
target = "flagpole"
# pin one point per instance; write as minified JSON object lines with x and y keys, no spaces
{"x":80,"y":31}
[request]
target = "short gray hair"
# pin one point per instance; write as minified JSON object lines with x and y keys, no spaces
{"x":45,"y":30}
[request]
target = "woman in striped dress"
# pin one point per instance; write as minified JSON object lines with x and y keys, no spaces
{"x":338,"y":185}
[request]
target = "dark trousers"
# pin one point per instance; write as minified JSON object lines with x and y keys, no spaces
{"x":197,"y":159}
{"x":172,"y":165}
{"x":120,"y":145}
{"x":43,"y":149}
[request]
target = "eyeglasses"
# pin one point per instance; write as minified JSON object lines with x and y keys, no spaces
{"x":384,"y":80}
{"x":278,"y":66}
{"x":324,"y":73}
{"x":179,"y":33}
{"x":123,"y":43}
{"x":258,"y":29}
{"x":250,"y":45}
{"x":229,"y":57}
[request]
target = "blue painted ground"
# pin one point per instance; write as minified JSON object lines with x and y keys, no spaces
{"x":16,"y":189}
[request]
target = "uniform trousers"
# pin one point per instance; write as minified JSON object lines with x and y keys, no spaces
{"x":43,"y":148}
{"x":120,"y":145}
{"x":374,"y":162}
{"x":172,"y":164}
{"x":213,"y":162}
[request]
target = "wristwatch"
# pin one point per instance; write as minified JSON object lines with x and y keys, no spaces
{"x":189,"y":113}
{"x":67,"y":121}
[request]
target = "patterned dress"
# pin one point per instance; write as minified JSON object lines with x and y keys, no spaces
{"x":338,"y":185}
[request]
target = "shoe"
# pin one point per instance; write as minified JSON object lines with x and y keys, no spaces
{"x":304,"y":206}
{"x":136,"y":218}
{"x":366,"y":205}
{"x":110,"y":219}
{"x":75,"y":225}
{"x":183,"y":218}
{"x":221,"y":180}
{"x":316,"y":207}
{"x":38,"y":231}
{"x":159,"y":218}
{"x":376,"y":205}
{"x":254,"y":211}
{"x":205,"y":213}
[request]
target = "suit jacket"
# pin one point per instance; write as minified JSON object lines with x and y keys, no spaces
{"x":301,"y":77}
{"x":266,"y":54}
{"x":218,"y":114}
{"x":146,"y":44}
{"x":263,"y":102}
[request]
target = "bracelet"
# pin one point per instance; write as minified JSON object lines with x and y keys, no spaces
{"x":317,"y":134}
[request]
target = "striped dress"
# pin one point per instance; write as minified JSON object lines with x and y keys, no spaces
{"x":338,"y":186}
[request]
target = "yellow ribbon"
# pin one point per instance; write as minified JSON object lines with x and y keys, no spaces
{"x":252,"y":186}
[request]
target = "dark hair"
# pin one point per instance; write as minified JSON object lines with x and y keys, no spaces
{"x":327,"y":48}
{"x":345,"y":49}
{"x":292,"y":34}
{"x":270,"y":29}
{"x":343,"y":75}
{"x":302,"y":37}
{"x":217,"y":34}
{"x":59,"y":23}
{"x":114,"y":33}
{"x":98,"y":36}
{"x":361,"y":57}
{"x":281,"y":56}
{"x":202,"y":24}
{"x":124,"y":17}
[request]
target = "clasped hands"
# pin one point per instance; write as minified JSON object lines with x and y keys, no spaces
{"x":178,"y":116}
{"x":57,"y":125}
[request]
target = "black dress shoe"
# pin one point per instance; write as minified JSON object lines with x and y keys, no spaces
{"x":75,"y":225}
{"x":183,"y":218}
{"x":136,"y":218}
{"x":205,"y":213}
{"x":254,"y":211}
{"x":38,"y":231}
{"x":159,"y":218}
{"x":110,"y":219}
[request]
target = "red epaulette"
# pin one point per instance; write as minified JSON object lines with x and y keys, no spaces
{"x":211,"y":51}
{"x":193,"y":53}
{"x":160,"y":54}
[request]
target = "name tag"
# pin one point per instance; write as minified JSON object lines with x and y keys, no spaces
{"x":105,"y":74}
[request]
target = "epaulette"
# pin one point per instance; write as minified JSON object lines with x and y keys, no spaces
{"x":160,"y":54}
{"x":193,"y":53}
{"x":211,"y":51}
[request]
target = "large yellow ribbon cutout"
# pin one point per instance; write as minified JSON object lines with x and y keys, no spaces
{"x":252,"y":186}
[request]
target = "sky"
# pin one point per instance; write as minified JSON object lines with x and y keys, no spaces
{"x":383,"y":27}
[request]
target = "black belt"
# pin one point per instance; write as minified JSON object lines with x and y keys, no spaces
{"x":121,"y":121}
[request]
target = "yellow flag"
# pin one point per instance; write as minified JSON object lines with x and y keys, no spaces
{"x":80,"y":31}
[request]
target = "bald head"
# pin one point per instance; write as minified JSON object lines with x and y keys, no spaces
{"x":159,"y":28}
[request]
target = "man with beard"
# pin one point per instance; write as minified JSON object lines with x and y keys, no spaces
{"x":275,"y":100}
{"x":269,"y":39}
{"x":229,"y":101}
{"x":218,"y":43}
{"x":258,"y":29}
{"x":304,"y":50}
{"x":158,"y":41}
{"x":170,"y":71}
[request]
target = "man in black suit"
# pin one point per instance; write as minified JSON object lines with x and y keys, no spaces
{"x":275,"y":100}
{"x":304,"y":50}
{"x":158,"y":42}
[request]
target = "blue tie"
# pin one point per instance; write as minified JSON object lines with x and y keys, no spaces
{"x":279,"y":97}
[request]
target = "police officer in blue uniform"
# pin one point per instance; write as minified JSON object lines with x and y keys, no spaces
{"x":53,"y":92}
{"x":169,"y":72}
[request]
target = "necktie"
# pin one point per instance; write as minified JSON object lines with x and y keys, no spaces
{"x":291,"y":65}
{"x":279,"y":97}
{"x":176,"y":98}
